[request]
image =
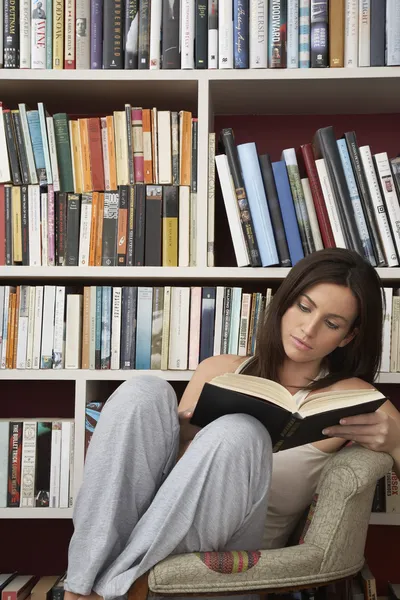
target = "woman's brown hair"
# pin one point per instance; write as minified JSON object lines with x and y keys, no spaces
{"x":360,"y":357}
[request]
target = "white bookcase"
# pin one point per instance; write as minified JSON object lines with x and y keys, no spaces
{"x":206,"y":94}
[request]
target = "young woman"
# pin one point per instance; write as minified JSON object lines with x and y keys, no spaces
{"x":138,"y":504}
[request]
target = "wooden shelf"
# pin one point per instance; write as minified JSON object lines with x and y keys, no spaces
{"x":35,"y":513}
{"x":384,"y":519}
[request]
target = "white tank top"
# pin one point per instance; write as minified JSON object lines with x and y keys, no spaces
{"x":295,"y":475}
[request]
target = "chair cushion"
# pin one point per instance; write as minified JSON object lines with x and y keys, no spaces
{"x":235,"y":561}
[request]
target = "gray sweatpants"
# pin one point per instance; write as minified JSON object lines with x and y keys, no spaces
{"x":137,"y":505}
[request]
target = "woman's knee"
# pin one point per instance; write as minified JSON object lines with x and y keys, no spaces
{"x":238,"y":431}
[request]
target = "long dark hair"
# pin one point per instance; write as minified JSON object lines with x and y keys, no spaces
{"x":359,"y":358}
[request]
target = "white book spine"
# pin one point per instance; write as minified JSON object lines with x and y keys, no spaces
{"x":258,"y":26}
{"x":46,"y":355}
{"x":389,"y":193}
{"x":364,"y":33}
{"x":330,"y":203}
{"x":71,"y":466}
{"x":211,"y":201}
{"x":28,"y":464}
{"x":235,"y":321}
{"x":184,"y":226}
{"x":386,"y":335}
{"x":53,"y":153}
{"x":106,"y":158}
{"x":5,"y":174}
{"x":394,"y":344}
{"x":213,"y":34}
{"x":244,"y":324}
{"x":219,"y":303}
{"x":179,"y":328}
{"x":85,"y":227}
{"x":155,"y":33}
{"x":293,"y":34}
{"x":34,"y":226}
{"x":24,"y":34}
{"x":55,"y":465}
{"x":46,"y":151}
{"x":65,"y":452}
{"x":154,"y":145}
{"x":225,"y":34}
{"x":164,"y":147}
{"x":82,"y":34}
{"x":69,"y":34}
{"x":4,"y":440}
{"x":33,"y":179}
{"x":58,"y":341}
{"x":194,"y":327}
{"x":5,"y":326}
{"x":73,"y":338}
{"x":44,"y":229}
{"x":316,"y":234}
{"x":232,"y":211}
{"x":2,"y":291}
{"x":37,"y":330}
{"x":166,"y":328}
{"x":187,"y":34}
{"x":22,"y":340}
{"x":392,"y":33}
{"x":38,"y":48}
{"x":351,"y":34}
{"x":92,"y":338}
{"x":31,"y":325}
{"x":380,"y":210}
{"x":116,"y":328}
{"x":304,"y":33}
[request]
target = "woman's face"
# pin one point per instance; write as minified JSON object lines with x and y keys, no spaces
{"x":319,"y":321}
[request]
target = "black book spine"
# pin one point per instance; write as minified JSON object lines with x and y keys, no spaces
{"x":243,"y":203}
{"x":25,"y":225}
{"x":207,"y":322}
{"x":12,"y":148}
{"x":73,"y":223}
{"x":19,"y":137}
{"x":11,"y":34}
{"x":43,"y":461}
{"x":319,"y":34}
{"x":201,"y":36}
{"x":140,"y":224}
{"x":14,"y":464}
{"x":128,"y":327}
{"x":275,"y":210}
{"x":131,"y":227}
{"x":110,"y":229}
{"x":365,"y":198}
{"x":377,"y":32}
{"x":128,"y":122}
{"x":152,"y":253}
{"x":112,"y":35}
{"x":8,"y":220}
{"x":122,"y":224}
{"x":131,"y":37}
{"x":61,"y":227}
{"x":170,"y":35}
{"x":144,"y":34}
{"x":325,"y":147}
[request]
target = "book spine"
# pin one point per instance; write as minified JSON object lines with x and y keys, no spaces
{"x":25,"y":34}
{"x":351,"y":34}
{"x":364,"y":34}
{"x":319,"y":34}
{"x":140,"y":223}
{"x":201,"y":34}
{"x":38,"y":41}
{"x":69,"y":35}
{"x":12,"y":148}
{"x":378,"y":26}
{"x":293,"y":34}
{"x":152,"y":251}
{"x":116,"y":328}
{"x":112,"y":34}
{"x":392,"y":33}
{"x":11,"y":34}
{"x":110,"y":229}
{"x":131,"y":35}
{"x":336,"y":33}
{"x":122,"y":225}
{"x":258,"y":36}
{"x":49,"y":34}
{"x":241,"y":34}
{"x":155,"y":34}
{"x":130,"y":227}
{"x":53,"y":153}
{"x":330,"y":203}
{"x":96,"y":34}
{"x":58,"y":339}
{"x":170,"y":54}
{"x":225,"y":34}
{"x":82,"y":34}
{"x":386,"y":182}
{"x":144,"y":34}
{"x":137,"y":141}
{"x":58,"y":34}
{"x":156,"y":328}
{"x":213,"y":34}
{"x":19,"y":138}
{"x":143,"y":327}
{"x":277,"y":54}
{"x":14,"y":465}
{"x":304,"y":34}
{"x":72,"y":238}
{"x":187,"y":34}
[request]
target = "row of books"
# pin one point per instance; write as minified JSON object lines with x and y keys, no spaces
{"x":330,"y":193}
{"x":137,"y":225}
{"x":133,"y":145}
{"x":36,"y":459}
{"x":387,"y":494}
{"x":174,"y":34}
{"x":16,"y":586}
{"x":54,"y":327}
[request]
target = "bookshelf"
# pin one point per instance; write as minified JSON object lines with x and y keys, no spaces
{"x":213,"y":96}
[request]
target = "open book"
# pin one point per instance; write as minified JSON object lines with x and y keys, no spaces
{"x":288,"y":424}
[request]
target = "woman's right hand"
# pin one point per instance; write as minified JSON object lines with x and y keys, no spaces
{"x":187,"y":431}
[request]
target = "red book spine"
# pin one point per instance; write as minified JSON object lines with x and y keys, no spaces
{"x":96,"y":154}
{"x":14,"y":465}
{"x":318,"y":197}
{"x":2,"y":226}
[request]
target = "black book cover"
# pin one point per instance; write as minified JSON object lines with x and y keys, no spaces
{"x":170,"y":56}
{"x":153,"y":238}
{"x":207,"y":322}
{"x":8,"y":220}
{"x":274,"y":210}
{"x":25,"y":225}
{"x":128,"y":329}
{"x":23,"y":160}
{"x":12,"y":148}
{"x":325,"y":147}
{"x":246,"y":220}
{"x":287,"y":430}
{"x":377,"y":33}
{"x":319,"y":33}
{"x":131,"y":227}
{"x":110,"y":229}
{"x":11,"y":34}
{"x":122,"y":224}
{"x":140,"y":224}
{"x":201,"y":34}
{"x":61,"y":227}
{"x":43,"y":459}
{"x":365,"y":198}
{"x":144,"y":34}
{"x":131,"y":34}
{"x":112,"y":34}
{"x":14,"y":464}
{"x":73,"y":225}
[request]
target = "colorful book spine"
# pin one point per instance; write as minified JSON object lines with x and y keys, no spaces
{"x":241,"y":34}
{"x":319,"y":34}
{"x":277,"y":54}
{"x":304,"y":34}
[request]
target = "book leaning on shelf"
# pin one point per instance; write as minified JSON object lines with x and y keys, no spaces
{"x":289,"y":425}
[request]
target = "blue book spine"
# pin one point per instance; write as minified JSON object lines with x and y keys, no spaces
{"x":304,"y":34}
{"x":356,"y":203}
{"x":235,"y":320}
{"x":288,"y":213}
{"x":241,"y":33}
{"x":37,"y":144}
{"x":207,"y":322}
{"x":258,"y":204}
{"x":106,"y":327}
{"x":143,"y":327}
{"x":49,"y":34}
{"x":97,"y":351}
{"x":319,"y":34}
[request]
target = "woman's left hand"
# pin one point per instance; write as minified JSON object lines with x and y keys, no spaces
{"x":376,"y":431}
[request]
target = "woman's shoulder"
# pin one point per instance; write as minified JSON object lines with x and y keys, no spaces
{"x":220,"y":364}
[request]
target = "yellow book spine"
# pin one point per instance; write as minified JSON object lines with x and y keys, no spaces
{"x":76,"y":156}
{"x":58,"y":34}
{"x":111,"y":153}
{"x":16,"y":224}
{"x":85,"y":153}
{"x":121,"y":147}
{"x":170,"y":242}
